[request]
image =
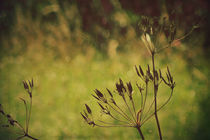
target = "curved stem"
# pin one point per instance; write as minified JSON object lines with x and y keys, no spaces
{"x":140,"y":132}
{"x":166,"y":101}
{"x":149,"y":109}
{"x":20,"y":126}
{"x":31,"y":137}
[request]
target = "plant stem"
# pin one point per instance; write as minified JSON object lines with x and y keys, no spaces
{"x":30,"y":137}
{"x":145,"y":98}
{"x":140,"y":132}
{"x":129,"y":109}
{"x":155,"y":95}
{"x":29,"y":115}
{"x":122,"y":114}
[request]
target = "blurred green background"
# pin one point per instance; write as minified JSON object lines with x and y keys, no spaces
{"x":71,"y":47}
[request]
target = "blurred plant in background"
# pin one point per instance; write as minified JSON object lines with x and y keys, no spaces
{"x":75,"y":46}
{"x":12,"y":122}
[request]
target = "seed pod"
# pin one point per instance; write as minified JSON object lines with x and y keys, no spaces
{"x":25,"y":85}
{"x":31,"y":83}
{"x":113,"y":101}
{"x":95,"y":97}
{"x":84,"y":117}
{"x":169,"y":72}
{"x":98,"y":93}
{"x":168,"y":77}
{"x":149,"y":75}
{"x":148,"y":67}
{"x":120,"y":87}
{"x":130,"y":89}
{"x":109,"y":92}
{"x":11,"y":120}
{"x":30,"y":94}
{"x":88,"y":109}
{"x":137,"y":71}
{"x":101,"y":106}
{"x":141,"y":71}
{"x":160,"y":73}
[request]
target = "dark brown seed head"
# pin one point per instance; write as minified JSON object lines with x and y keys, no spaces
{"x":84,"y":117}
{"x":168,"y":77}
{"x":109,"y":92}
{"x":137,"y":71}
{"x":169,"y":72}
{"x":95,"y":97}
{"x":120,"y":88}
{"x":139,"y":87}
{"x":25,"y":85}
{"x":130,"y":89}
{"x":88,"y":109}
{"x":31,"y":83}
{"x":160,"y":73}
{"x":98,"y":93}
{"x":141,"y":71}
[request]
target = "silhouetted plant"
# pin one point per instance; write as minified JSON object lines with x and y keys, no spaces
{"x":132,"y":115}
{"x":28,"y":86}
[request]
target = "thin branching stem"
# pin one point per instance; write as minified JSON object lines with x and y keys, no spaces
{"x":149,"y":109}
{"x":113,"y":125}
{"x":30,"y":137}
{"x":159,"y":108}
{"x":145,"y":98}
{"x":183,"y":37}
{"x":141,"y":99}
{"x":29,"y":115}
{"x":155,"y":95}
{"x":122,"y":114}
{"x":117,"y":119}
{"x":140,"y":132}
{"x":20,"y":126}
{"x":129,"y":109}
{"x":134,"y":109}
{"x":166,"y":101}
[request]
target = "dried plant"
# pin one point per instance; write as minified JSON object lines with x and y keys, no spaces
{"x":28,"y":86}
{"x":132,"y":115}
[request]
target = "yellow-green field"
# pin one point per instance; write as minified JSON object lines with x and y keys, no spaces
{"x":67,"y":64}
{"x":62,"y":88}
